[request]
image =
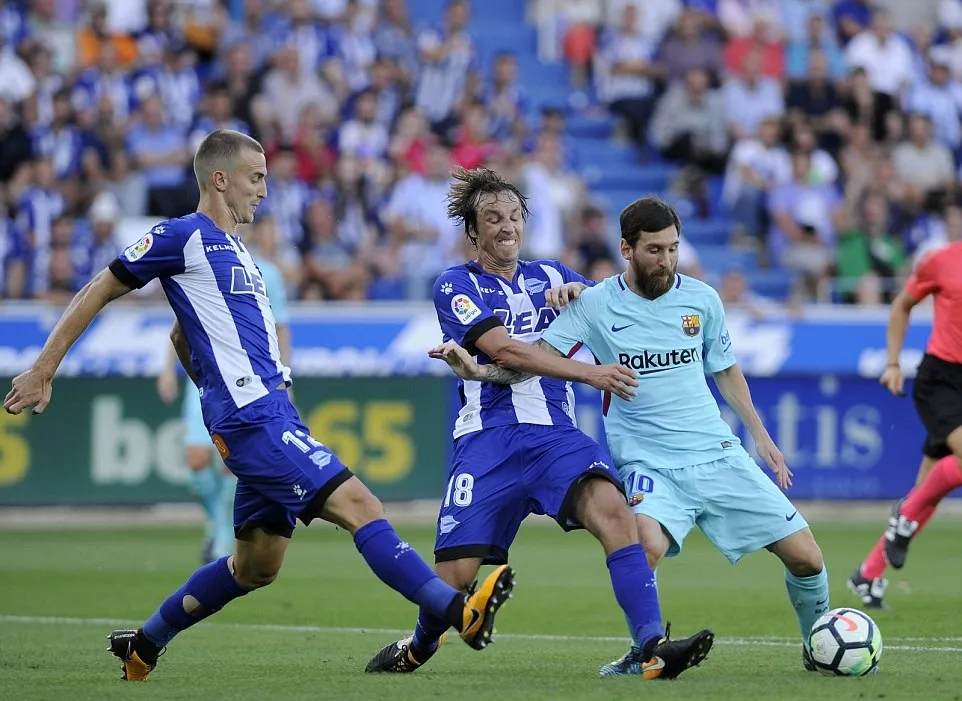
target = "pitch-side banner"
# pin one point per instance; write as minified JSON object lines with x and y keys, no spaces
{"x":391,"y":339}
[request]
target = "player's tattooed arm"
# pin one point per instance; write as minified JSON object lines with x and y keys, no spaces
{"x":465,"y":367}
{"x":503,"y":376}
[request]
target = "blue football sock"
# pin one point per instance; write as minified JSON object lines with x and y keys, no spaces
{"x":634,"y":643}
{"x":206,"y":486}
{"x":809,"y":597}
{"x":224,"y":520}
{"x":399,"y":566}
{"x":634,"y":586}
{"x":207,"y":591}
{"x":428,"y":632}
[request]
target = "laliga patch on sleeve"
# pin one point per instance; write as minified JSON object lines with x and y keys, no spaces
{"x":464,"y":308}
{"x":139,"y":249}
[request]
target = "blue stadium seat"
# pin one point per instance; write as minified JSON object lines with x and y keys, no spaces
{"x":717,"y":259}
{"x":386,"y":289}
{"x":625,"y":175}
{"x":774,"y":284}
{"x":590,"y":127}
{"x":603,"y":152}
{"x":707,"y":232}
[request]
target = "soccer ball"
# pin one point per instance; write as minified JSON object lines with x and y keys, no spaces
{"x":846,"y":643}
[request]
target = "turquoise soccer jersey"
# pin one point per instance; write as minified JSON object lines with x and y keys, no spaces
{"x":671,"y":342}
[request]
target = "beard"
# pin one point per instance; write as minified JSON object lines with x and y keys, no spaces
{"x":654,"y":284}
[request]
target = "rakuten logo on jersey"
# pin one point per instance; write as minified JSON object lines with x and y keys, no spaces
{"x":647,"y":362}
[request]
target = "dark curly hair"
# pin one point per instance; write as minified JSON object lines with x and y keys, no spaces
{"x":466,"y":191}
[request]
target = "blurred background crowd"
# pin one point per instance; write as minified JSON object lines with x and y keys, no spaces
{"x":811,"y":147}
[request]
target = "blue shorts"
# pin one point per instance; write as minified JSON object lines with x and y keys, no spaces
{"x":283,"y":474}
{"x":731,"y":500}
{"x":195,"y":431}
{"x":500,"y":475}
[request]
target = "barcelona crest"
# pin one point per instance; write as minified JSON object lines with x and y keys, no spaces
{"x":690,"y":324}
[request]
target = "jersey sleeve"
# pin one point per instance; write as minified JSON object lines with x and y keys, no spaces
{"x":463,"y":314}
{"x":718,"y":354}
{"x":160,"y":253}
{"x":924,"y":280}
{"x":575,"y":325}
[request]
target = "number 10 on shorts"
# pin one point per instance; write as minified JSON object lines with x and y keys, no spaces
{"x":459,"y":490}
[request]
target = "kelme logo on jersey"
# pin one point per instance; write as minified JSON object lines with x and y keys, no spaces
{"x":533,"y":321}
{"x":647,"y":362}
{"x":138,"y":250}
{"x":464,"y":309}
{"x":690,"y":324}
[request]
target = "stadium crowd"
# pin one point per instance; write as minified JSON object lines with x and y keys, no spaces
{"x":836,"y":134}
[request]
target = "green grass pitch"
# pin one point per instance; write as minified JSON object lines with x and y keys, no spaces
{"x":310,"y":634}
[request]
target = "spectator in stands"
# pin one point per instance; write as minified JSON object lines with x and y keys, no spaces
{"x":754,"y":167}
{"x":945,"y":229}
{"x":814,"y":100}
{"x":332,"y":269}
{"x":16,"y":80}
{"x":555,"y":196}
{"x":288,"y":89}
{"x":923,"y":164}
{"x":592,"y":238}
{"x":423,"y":239}
{"x":689,"y":124}
{"x":819,"y":39}
{"x":740,"y":17}
{"x":287,"y":201}
{"x":885,"y":56}
{"x":865,"y":105}
{"x":159,"y":151}
{"x":656,"y":16}
{"x":602,"y":268}
{"x":626,"y":72}
{"x":870,"y":257}
{"x":852,"y":17}
{"x":44,"y":26}
{"x":40,"y":205}
{"x":803,"y":219}
{"x":824,"y":168}
{"x":737,"y":296}
{"x":395,"y":40}
{"x":692,"y":45}
{"x":362,"y":136}
{"x":92,"y":37}
{"x":448,"y":57}
{"x":473,"y":144}
{"x":505,"y":97}
{"x":751,"y":98}
{"x":939,"y":98}
{"x":765,"y":42}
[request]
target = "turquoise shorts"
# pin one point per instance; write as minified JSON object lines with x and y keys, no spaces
{"x":195,"y":432}
{"x":731,"y":500}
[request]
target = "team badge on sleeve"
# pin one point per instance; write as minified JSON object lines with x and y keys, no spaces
{"x":138,"y":250}
{"x":464,"y":308}
{"x":690,"y":324}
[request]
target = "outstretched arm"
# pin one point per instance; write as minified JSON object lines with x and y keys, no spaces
{"x":34,"y":386}
{"x":465,"y":367}
{"x":734,"y":388}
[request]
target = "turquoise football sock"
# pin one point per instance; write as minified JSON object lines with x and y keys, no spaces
{"x":809,"y":597}
{"x":206,"y":486}
{"x":224,"y":520}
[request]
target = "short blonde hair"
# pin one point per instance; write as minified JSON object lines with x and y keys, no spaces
{"x":218,"y":151}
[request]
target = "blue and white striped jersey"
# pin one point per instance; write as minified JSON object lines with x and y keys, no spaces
{"x":219,"y":296}
{"x":469,"y":302}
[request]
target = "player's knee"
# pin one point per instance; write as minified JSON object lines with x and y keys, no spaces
{"x":801,"y":554}
{"x":460,"y":574}
{"x":254,"y":573}
{"x":652,"y":539}
{"x":352,"y":506}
